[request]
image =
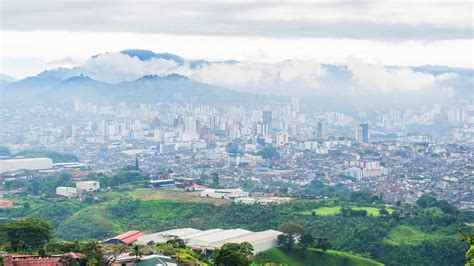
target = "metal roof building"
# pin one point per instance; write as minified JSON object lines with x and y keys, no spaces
{"x":215,"y":238}
{"x":260,"y":241}
{"x":164,"y":236}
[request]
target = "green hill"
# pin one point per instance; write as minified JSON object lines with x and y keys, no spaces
{"x":275,"y":256}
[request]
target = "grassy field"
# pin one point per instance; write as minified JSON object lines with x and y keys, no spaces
{"x":275,"y":256}
{"x":404,"y":234}
{"x":147,"y":194}
{"x":329,"y":211}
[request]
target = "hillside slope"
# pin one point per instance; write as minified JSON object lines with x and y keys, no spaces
{"x":312,"y":257}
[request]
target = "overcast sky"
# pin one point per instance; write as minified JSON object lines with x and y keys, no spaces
{"x":45,"y":34}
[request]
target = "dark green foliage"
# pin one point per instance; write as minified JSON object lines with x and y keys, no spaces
{"x":41,"y":186}
{"x":306,"y":240}
{"x":269,"y":152}
{"x":232,"y":254}
{"x":291,"y":232}
{"x":55,"y":156}
{"x":427,"y":201}
{"x":124,"y":208}
{"x":322,"y":243}
{"x":318,"y":188}
{"x":361,"y":234}
{"x":285,"y":242}
{"x":177,"y":242}
{"x":469,"y":239}
{"x":349,"y":212}
{"x":215,"y":180}
{"x":26,"y":235}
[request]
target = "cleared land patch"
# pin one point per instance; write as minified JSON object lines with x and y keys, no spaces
{"x":329,"y":211}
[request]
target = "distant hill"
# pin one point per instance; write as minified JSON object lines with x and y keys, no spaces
{"x":148,"y":89}
{"x":232,"y":82}
{"x":5,"y":79}
{"x":275,"y":256}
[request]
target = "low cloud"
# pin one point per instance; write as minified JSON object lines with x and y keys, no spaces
{"x":289,"y":77}
{"x":118,"y":67}
{"x":280,"y":78}
{"x":380,"y":78}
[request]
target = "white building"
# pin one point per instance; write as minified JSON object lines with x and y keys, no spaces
{"x":216,"y":238}
{"x":224,"y":193}
{"x":87,"y":186}
{"x":260,"y":241}
{"x":25,"y":164}
{"x":208,"y":241}
{"x":281,"y":138}
{"x":68,"y":192}
{"x":164,"y":236}
{"x":354,"y":172}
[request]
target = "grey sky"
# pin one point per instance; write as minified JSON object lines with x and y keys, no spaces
{"x":38,"y":34}
{"x":362,"y":20}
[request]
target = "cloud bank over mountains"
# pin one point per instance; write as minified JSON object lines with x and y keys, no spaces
{"x":134,"y":74}
{"x":289,"y":77}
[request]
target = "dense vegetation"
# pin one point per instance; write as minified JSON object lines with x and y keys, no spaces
{"x":311,"y":257}
{"x":424,"y":234}
{"x":55,"y":156}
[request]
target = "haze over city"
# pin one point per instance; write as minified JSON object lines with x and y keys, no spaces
{"x":236,"y":133}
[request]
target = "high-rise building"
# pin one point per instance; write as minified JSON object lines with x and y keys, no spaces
{"x":233,"y":131}
{"x":295,"y":104}
{"x":267,"y":118}
{"x":190,"y":124}
{"x":320,"y":130}
{"x":262,"y":129}
{"x":296,"y":127}
{"x":362,"y":133}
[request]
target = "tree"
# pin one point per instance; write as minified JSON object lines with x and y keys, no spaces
{"x":28,"y":234}
{"x":291,"y":231}
{"x":291,"y":228}
{"x":285,"y":242}
{"x":468,"y":238}
{"x":306,"y":240}
{"x":177,"y":242}
{"x":26,"y":205}
{"x":322,"y":243}
{"x":426,"y":201}
{"x":383,"y":212}
{"x":137,"y":252}
{"x":269,"y":153}
{"x":98,"y":255}
{"x":232,"y":254}
{"x":215,"y":180}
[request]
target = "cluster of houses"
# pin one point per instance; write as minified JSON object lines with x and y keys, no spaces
{"x":55,"y":260}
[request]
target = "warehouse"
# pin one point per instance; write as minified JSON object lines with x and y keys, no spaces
{"x":12,"y":165}
{"x":125,"y":238}
{"x":260,"y":241}
{"x":164,"y":236}
{"x":206,"y":241}
{"x":215,"y":238}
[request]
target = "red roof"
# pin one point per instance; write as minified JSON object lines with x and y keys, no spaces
{"x":129,"y":237}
